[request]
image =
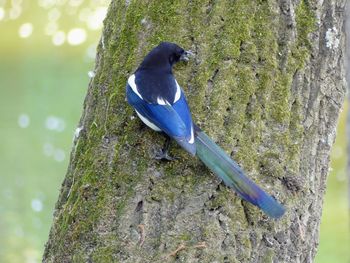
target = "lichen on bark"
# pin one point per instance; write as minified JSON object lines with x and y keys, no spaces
{"x":259,"y":85}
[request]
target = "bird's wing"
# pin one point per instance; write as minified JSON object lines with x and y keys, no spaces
{"x":175,"y":120}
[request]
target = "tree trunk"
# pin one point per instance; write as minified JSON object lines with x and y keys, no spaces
{"x":267,"y":85}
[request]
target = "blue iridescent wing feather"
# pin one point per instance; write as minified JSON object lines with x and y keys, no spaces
{"x":175,"y":120}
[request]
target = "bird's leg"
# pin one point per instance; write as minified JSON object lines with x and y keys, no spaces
{"x":164,"y":154}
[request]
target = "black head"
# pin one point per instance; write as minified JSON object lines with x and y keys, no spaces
{"x":164,"y":56}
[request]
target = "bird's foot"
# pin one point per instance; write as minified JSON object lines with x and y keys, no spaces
{"x":164,"y":156}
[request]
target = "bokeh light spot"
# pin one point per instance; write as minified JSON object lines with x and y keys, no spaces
{"x":55,"y":124}
{"x":2,"y":13}
{"x":48,"y":149}
{"x":59,"y":155}
{"x":76,"y":36}
{"x":75,"y":2}
{"x":23,"y":120}
{"x":338,"y":152}
{"x":54,"y":14}
{"x":59,"y":38}
{"x":15,"y":12}
{"x":25,"y":30}
{"x":37,"y":205}
{"x":95,"y":20}
{"x":47,"y":3}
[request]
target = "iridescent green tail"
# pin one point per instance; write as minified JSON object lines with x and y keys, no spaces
{"x":233,"y":176}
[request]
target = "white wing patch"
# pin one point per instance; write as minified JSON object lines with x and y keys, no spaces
{"x":162,"y":101}
{"x":178,"y":92}
{"x":132,"y":84}
{"x":192,"y":136}
{"x":147,"y":122}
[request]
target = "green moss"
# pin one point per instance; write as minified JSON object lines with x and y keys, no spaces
{"x":103,"y":255}
{"x":306,"y":23}
{"x":185,"y":237}
{"x":78,"y":257}
{"x":268,"y":256}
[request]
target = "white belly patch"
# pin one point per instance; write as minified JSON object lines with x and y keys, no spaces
{"x":147,"y":122}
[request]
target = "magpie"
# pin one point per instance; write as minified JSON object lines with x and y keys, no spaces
{"x":160,"y":103}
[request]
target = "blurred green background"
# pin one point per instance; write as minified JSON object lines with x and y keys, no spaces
{"x":47,"y":52}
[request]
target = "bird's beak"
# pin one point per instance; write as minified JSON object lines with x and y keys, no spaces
{"x":186,"y":55}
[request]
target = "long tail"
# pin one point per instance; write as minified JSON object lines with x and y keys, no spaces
{"x":233,"y":176}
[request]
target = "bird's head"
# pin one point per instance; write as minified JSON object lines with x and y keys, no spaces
{"x":164,"y":56}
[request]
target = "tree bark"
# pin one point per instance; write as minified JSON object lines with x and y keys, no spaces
{"x":267,"y":84}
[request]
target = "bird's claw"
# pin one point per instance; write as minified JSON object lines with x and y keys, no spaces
{"x":164,"y":156}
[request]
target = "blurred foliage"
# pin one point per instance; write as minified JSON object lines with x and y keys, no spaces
{"x":45,"y":65}
{"x":335,"y":232}
{"x":47,"y":53}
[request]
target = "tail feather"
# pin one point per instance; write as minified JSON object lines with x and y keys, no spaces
{"x":233,"y":176}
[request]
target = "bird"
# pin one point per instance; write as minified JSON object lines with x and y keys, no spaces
{"x":161,"y":104}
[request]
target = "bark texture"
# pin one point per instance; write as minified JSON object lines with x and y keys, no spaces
{"x":267,"y":84}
